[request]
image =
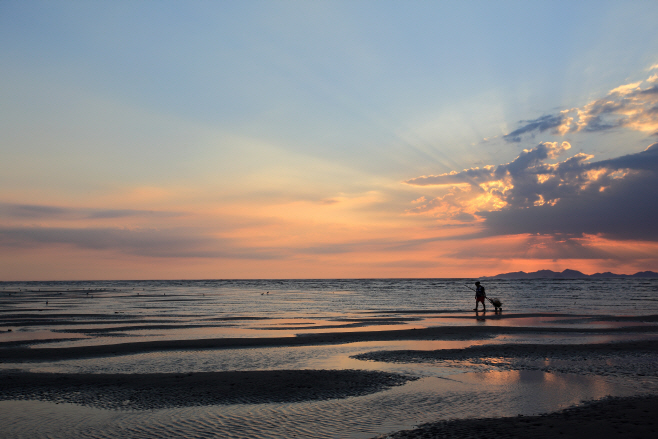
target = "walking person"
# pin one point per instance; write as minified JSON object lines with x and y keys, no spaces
{"x":480,"y":295}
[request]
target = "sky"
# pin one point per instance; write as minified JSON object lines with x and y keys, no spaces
{"x":326,"y":139}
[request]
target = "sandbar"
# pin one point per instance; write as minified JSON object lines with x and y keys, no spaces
{"x":166,"y":390}
{"x":631,"y":417}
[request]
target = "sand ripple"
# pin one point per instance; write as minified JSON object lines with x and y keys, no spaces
{"x":156,"y":391}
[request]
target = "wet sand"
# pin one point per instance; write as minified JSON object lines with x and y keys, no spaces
{"x":631,"y":417}
{"x":634,"y":417}
{"x":613,"y":417}
{"x":158,"y":390}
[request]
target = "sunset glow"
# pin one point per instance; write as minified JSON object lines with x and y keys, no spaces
{"x":187,"y":140}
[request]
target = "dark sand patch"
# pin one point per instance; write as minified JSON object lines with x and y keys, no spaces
{"x":344,"y":326}
{"x":645,"y":319}
{"x":637,"y":358}
{"x":633,"y":417}
{"x":223,"y":319}
{"x":116,"y":319}
{"x":160,"y":390}
{"x":378,"y":319}
{"x":27,"y":316}
{"x":135,"y":328}
{"x":9,"y":344}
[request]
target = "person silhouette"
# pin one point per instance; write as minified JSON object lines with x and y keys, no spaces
{"x":480,"y":295}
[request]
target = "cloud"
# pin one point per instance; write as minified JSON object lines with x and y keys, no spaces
{"x":468,"y":176}
{"x":618,"y":206}
{"x":544,"y":123}
{"x":535,"y":247}
{"x":177,"y":242}
{"x":549,"y":207}
{"x":43,"y":212}
{"x":518,"y":184}
{"x":614,"y":198}
{"x":557,"y":247}
{"x":633,"y":106}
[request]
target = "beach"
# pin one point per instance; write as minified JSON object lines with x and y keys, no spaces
{"x":149,"y":367}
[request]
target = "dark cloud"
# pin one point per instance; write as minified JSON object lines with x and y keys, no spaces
{"x":540,"y":247}
{"x":581,"y":197}
{"x":646,"y":160}
{"x":42,"y":212}
{"x":547,"y":122}
{"x":386,"y":244}
{"x":518,"y":182}
{"x":649,"y":91}
{"x":625,"y":209}
{"x":628,"y":106}
{"x":473,"y":175}
{"x":188,"y":243}
{"x":31,"y":211}
{"x":615,"y":198}
{"x":179,"y":243}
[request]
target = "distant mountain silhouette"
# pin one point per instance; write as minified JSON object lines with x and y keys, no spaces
{"x":569,"y":274}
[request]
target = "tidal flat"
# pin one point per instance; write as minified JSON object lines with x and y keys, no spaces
{"x":328,"y":359}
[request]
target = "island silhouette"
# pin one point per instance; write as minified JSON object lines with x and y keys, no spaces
{"x":569,"y":274}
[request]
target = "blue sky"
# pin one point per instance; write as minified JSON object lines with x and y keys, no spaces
{"x":286,"y":131}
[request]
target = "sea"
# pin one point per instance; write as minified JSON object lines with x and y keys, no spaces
{"x":86,"y":313}
{"x":326,"y":298}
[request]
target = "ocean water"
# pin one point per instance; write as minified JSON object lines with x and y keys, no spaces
{"x":64,"y":314}
{"x":326,"y":298}
{"x":101,"y":312}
